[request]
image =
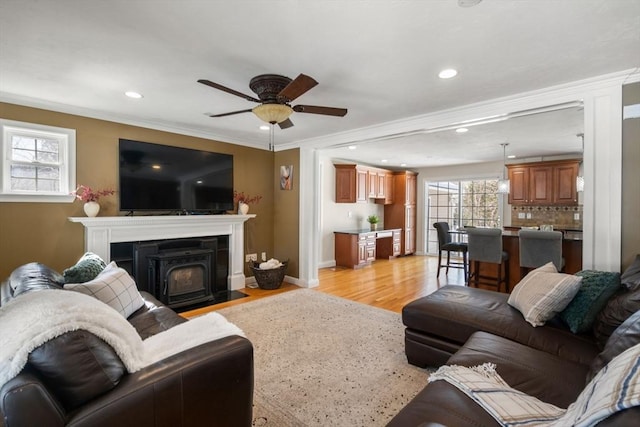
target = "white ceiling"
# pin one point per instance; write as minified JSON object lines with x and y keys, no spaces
{"x":378,"y":58}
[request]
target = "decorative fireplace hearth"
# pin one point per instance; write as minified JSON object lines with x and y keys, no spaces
{"x":103,"y":233}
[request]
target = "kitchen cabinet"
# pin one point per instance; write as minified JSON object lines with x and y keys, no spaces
{"x":564,"y":184}
{"x":544,"y":183}
{"x":402,"y":212}
{"x":351,"y":184}
{"x":358,"y":184}
{"x":359,"y":248}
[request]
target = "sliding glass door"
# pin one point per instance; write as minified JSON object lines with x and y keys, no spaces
{"x":461,"y":203}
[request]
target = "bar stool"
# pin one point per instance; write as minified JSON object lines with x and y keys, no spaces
{"x":485,"y":246}
{"x":446,"y":244}
{"x":538,"y":248}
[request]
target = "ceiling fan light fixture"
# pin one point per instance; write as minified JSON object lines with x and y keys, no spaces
{"x":272,"y":113}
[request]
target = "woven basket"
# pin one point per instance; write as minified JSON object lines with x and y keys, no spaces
{"x":269,"y":279}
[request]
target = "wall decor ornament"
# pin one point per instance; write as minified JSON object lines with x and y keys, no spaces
{"x":286,"y":177}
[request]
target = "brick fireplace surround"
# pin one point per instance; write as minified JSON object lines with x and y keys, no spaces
{"x":100,"y":232}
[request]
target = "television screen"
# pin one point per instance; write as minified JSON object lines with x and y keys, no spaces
{"x":157,"y":177}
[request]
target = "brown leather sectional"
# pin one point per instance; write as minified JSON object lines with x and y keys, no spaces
{"x":209,"y":385}
{"x":465,"y":326}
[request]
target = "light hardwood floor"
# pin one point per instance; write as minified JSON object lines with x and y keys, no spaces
{"x":387,"y":284}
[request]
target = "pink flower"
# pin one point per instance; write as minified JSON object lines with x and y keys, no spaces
{"x":86,"y":194}
{"x":241,"y":197}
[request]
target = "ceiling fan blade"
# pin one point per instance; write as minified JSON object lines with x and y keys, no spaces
{"x":231,"y":113}
{"x":315,"y":109}
{"x":297,"y":87}
{"x":285,"y":124}
{"x":226,"y":89}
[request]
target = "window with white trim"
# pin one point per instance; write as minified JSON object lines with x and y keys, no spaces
{"x":38,"y":162}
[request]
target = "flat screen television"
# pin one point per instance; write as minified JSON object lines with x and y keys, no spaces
{"x":156,"y":177}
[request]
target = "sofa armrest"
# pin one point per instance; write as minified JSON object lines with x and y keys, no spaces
{"x":27,"y":402}
{"x":211,"y":384}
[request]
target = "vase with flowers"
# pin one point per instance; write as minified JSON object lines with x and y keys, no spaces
{"x":244,"y":200}
{"x":90,"y":197}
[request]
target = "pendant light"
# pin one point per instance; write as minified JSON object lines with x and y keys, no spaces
{"x":503,"y":184}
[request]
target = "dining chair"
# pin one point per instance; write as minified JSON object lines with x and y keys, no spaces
{"x":446,"y":243}
{"x":538,"y":248}
{"x":485,"y":246}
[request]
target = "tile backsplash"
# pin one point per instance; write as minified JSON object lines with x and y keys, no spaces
{"x":561,"y":217}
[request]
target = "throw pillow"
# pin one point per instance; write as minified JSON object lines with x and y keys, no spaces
{"x":618,"y":309}
{"x":596,"y":289}
{"x":30,"y":277}
{"x":86,"y":269}
{"x":543,"y":293}
{"x":114,"y":287}
{"x":626,"y":336}
{"x":613,"y":389}
{"x":631,"y":276}
{"x":78,"y":366}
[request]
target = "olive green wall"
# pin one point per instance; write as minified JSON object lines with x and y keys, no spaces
{"x":286,"y":211}
{"x":41,"y":231}
{"x":630,"y":180}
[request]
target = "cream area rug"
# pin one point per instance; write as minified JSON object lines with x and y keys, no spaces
{"x":321,"y":360}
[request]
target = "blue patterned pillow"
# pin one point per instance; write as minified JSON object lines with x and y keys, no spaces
{"x":597,"y":287}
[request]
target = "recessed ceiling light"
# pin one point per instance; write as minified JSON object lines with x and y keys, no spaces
{"x":462,"y":130}
{"x":384,"y":160}
{"x":448,"y":73}
{"x":264,"y":127}
{"x":352,"y":147}
{"x":403,"y":164}
{"x":134,"y":95}
{"x":511,"y":156}
{"x":199,"y":181}
{"x":155,"y":166}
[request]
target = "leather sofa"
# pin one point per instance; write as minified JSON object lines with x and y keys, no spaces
{"x":208,"y":385}
{"x":457,"y":325}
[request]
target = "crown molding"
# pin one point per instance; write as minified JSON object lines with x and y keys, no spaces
{"x":489,"y":110}
{"x":125,"y":119}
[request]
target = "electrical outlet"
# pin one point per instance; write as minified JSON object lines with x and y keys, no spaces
{"x":520,"y":215}
{"x":350,"y":214}
{"x":251,"y":257}
{"x":576,"y":216}
{"x":264,"y":256}
{"x":528,"y":215}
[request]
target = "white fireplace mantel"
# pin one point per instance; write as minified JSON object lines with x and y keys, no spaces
{"x":100,"y":232}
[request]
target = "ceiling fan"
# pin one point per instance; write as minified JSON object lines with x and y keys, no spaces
{"x":275,"y":94}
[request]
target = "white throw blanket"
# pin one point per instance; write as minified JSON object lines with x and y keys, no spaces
{"x":32,"y":319}
{"x":614,"y":388}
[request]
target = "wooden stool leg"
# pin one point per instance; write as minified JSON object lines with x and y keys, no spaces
{"x":464,"y":265}
{"x":439,"y":262}
{"x":448,"y":262}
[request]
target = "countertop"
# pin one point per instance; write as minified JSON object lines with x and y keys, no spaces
{"x":365,"y":230}
{"x":566,"y":235}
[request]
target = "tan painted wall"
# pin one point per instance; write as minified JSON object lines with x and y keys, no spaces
{"x":286,"y":212}
{"x":630,"y":179}
{"x":41,"y":232}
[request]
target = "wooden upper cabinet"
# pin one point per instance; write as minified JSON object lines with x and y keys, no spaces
{"x":545,"y":183}
{"x":564,"y":184}
{"x":362,"y":176}
{"x":540,"y":185}
{"x":358,"y":184}
{"x":351,"y":184}
{"x":373,"y":184}
{"x":519,"y":185}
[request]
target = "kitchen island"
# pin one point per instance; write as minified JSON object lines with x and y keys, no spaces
{"x":358,"y":248}
{"x":571,"y":252}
